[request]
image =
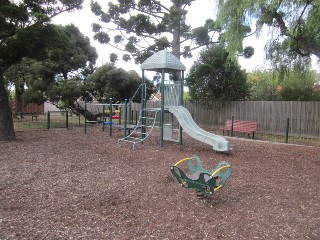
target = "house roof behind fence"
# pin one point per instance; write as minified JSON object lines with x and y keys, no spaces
{"x":162,"y":60}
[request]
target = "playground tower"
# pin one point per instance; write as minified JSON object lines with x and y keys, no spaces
{"x":172,"y":100}
{"x":171,"y":94}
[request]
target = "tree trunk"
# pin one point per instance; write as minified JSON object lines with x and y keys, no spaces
{"x":6,"y":122}
{"x":176,"y":33}
{"x":176,"y":44}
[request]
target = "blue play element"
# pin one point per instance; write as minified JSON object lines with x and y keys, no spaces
{"x":108,"y":123}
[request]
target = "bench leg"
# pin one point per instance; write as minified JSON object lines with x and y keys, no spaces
{"x":252,"y":135}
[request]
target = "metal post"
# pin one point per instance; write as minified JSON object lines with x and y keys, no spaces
{"x":103,"y":113}
{"x":143,"y":106}
{"x":232,"y":119}
{"x":48,"y":120}
{"x":129,"y":111}
{"x":110,"y":116}
{"x":85,"y":116}
{"x":162,"y":107}
{"x":125,"y":117}
{"x":181,"y":103}
{"x":143,"y":120}
{"x":287,"y":131}
{"x":181,"y":88}
{"x":136,"y":117}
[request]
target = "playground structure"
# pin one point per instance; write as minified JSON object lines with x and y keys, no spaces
{"x":206,"y":182}
{"x":108,"y":113}
{"x":122,"y":113}
{"x":146,"y":123}
{"x":171,"y":103}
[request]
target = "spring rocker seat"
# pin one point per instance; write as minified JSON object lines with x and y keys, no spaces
{"x":206,"y":182}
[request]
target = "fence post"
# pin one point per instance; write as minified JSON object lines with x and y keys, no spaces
{"x":137,"y":112}
{"x":103,"y":114}
{"x":130,"y":120}
{"x":144,"y":121}
{"x":287,"y":131}
{"x":67,"y":120}
{"x":232,"y":119}
{"x":48,"y":120}
{"x":110,"y":117}
{"x":120,"y":109}
{"x":85,"y":116}
{"x":125,"y":117}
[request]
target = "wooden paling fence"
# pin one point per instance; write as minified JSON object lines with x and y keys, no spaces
{"x":301,"y":118}
{"x":29,"y":108}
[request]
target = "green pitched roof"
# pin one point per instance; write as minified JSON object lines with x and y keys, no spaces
{"x":162,"y":60}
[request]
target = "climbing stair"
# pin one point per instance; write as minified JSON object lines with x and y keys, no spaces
{"x":142,"y":130}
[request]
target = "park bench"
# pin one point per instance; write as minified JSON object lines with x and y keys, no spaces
{"x":249,"y":127}
{"x":34,"y":116}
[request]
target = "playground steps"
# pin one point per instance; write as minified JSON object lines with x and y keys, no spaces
{"x":147,"y":119}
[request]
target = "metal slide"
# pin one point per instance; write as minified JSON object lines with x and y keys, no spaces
{"x":185,"y":120}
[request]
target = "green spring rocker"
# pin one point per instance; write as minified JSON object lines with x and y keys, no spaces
{"x":205,"y":182}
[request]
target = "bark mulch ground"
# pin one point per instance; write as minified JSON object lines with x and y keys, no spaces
{"x":64,"y":184}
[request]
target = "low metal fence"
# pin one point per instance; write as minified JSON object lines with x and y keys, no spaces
{"x":48,"y":120}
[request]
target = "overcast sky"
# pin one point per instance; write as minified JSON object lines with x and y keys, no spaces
{"x":199,"y":11}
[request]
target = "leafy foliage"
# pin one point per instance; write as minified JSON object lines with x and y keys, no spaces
{"x":76,"y":53}
{"x":25,"y":32}
{"x":111,"y":82}
{"x":295,"y":24}
{"x":151,"y":23}
{"x":71,"y":60}
{"x":299,"y":85}
{"x":296,"y":85}
{"x":263,"y":85}
{"x":213,"y":77}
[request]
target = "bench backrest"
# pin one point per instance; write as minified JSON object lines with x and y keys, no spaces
{"x":239,"y":125}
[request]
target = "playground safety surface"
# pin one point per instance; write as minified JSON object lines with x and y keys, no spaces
{"x":64,"y":184}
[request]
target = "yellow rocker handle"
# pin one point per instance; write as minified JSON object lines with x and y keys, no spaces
{"x":182,"y":160}
{"x":219,"y":169}
{"x":215,"y":172}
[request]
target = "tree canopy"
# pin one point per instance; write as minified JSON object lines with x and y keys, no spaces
{"x":294,"y":24}
{"x":25,"y":27}
{"x":299,"y":85}
{"x":111,"y":82}
{"x":140,"y":28}
{"x":263,"y":85}
{"x":296,"y":85}
{"x":214,"y":77}
{"x":25,"y":32}
{"x":75,"y":55}
{"x":74,"y":59}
